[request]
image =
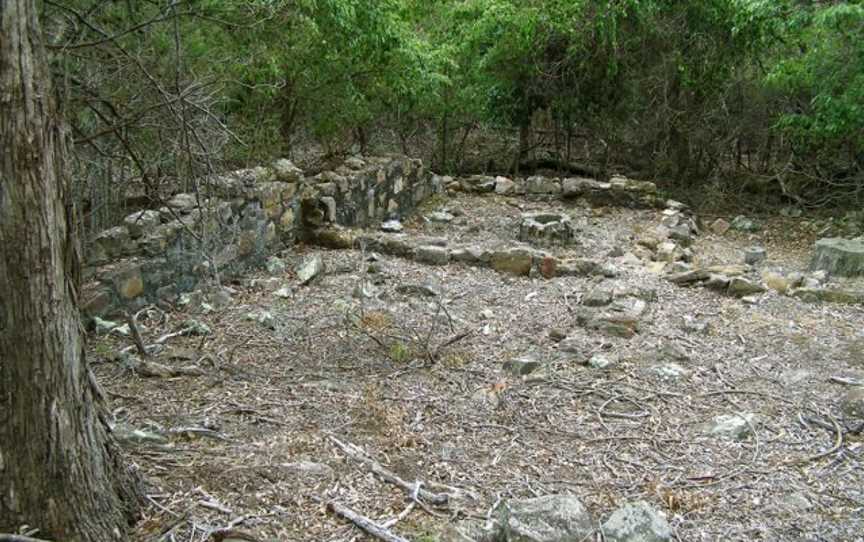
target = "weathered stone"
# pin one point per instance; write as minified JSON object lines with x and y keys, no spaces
{"x":329,"y":205}
{"x":777,"y":282}
{"x":547,"y":229}
{"x":600,"y":361}
{"x":426,"y":289}
{"x":284,"y":170}
{"x":142,"y":222}
{"x":335,"y":237}
{"x":183,"y":203}
{"x":275,"y":266}
{"x":828,"y":295}
{"x":581,"y":267}
{"x":598,"y":297}
{"x":548,"y":267}
{"x":265,"y":318}
{"x":754,"y":255}
{"x":637,"y":522}
{"x":621,"y":319}
{"x":521,"y":366}
{"x":477,"y":183}
{"x":579,"y":186}
{"x":515,"y":261}
{"x":843,"y":257}
{"x":744,"y":224}
{"x":503,"y":185}
{"x":731,"y":426}
{"x":284,"y":292}
{"x":432,"y":255}
{"x":741,"y":287}
{"x":542,"y":185}
{"x":668,"y":252}
{"x":391,"y":226}
{"x":441,"y":217}
{"x":466,"y":530}
{"x":111,"y":244}
{"x":470,"y":255}
{"x":550,"y":518}
{"x":310,"y":268}
{"x":670,"y":371}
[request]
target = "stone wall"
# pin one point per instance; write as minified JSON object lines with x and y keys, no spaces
{"x":235,"y":221}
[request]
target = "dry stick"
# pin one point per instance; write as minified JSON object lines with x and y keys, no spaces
{"x":365,"y":523}
{"x":838,"y":442}
{"x":355,"y":453}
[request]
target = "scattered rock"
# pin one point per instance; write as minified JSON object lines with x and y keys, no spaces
{"x":843,"y":257}
{"x":487,"y":314}
{"x":285,"y":171}
{"x":741,"y":287}
{"x":441,"y":217}
{"x":427,"y":289}
{"x":284,"y":292}
{"x":791,"y":212}
{"x":275,"y":266}
{"x":637,"y":522}
{"x":550,"y":518}
{"x":754,"y":255}
{"x":743,"y":224}
{"x":196,"y":327}
{"x":720,"y":226}
{"x":598,"y":297}
{"x":503,"y":185}
{"x":310,"y":268}
{"x":432,"y":255}
{"x":391,"y":226}
{"x":777,"y":282}
{"x":103,"y":327}
{"x":669,"y":371}
{"x":521,"y":366}
{"x":265,"y":318}
{"x":142,"y":223}
{"x":828,"y":295}
{"x":547,"y":229}
{"x":183,"y":203}
{"x":599,"y":361}
{"x":732,"y":426}
{"x":466,"y":530}
{"x":515,"y":261}
{"x":557,"y":335}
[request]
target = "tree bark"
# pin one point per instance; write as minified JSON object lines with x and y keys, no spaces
{"x":59,"y":468}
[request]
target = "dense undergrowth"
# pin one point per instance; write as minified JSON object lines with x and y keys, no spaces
{"x":712,"y":97}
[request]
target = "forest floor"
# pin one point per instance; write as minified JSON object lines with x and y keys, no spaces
{"x":251,"y":443}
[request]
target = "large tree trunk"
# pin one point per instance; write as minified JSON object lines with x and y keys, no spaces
{"x":59,"y":468}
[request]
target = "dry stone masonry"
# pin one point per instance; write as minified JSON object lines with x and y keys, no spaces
{"x":237,"y":220}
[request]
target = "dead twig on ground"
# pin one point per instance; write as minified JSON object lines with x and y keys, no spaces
{"x":355,"y":453}
{"x":367,"y":525}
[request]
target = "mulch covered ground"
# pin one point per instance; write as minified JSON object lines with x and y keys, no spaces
{"x":418,"y":383}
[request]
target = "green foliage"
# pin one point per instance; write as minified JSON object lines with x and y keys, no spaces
{"x":822,"y":68}
{"x":678,"y":84}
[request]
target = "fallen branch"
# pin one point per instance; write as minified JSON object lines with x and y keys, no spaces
{"x":355,"y":453}
{"x":367,"y":525}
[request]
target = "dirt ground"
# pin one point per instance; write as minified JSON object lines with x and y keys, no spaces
{"x":249,"y":443}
